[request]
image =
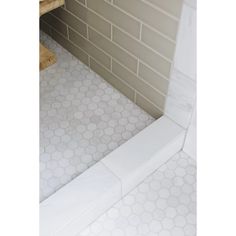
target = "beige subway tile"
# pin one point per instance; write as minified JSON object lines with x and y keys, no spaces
{"x":153,"y":95}
{"x":142,"y":52}
{"x":89,"y":17}
{"x":154,"y":79}
{"x":171,"y":6}
{"x":149,"y":15}
{"x":115,"y":51}
{"x":158,"y":42}
{"x":116,"y":16}
{"x":55,"y":23}
{"x":81,"y":55}
{"x":89,"y":48}
{"x":147,"y":106}
{"x":70,"y":20}
{"x":45,"y":27}
{"x":113,"y":80}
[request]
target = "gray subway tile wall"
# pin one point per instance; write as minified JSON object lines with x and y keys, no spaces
{"x":130,"y":43}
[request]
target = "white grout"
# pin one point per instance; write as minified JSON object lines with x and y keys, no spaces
{"x":161,"y":10}
{"x":156,"y":89}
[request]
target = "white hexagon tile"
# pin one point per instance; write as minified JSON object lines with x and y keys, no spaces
{"x":163,"y":205}
{"x":82,"y":119}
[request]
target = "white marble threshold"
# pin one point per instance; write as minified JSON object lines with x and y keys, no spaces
{"x":80,"y":202}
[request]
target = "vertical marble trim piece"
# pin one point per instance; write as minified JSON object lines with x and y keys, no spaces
{"x":182,"y":85}
{"x":180,"y":98}
{"x":185,"y":55}
{"x":190,"y":146}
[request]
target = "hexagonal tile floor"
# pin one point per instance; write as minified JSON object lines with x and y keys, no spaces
{"x":82,"y":119}
{"x":163,"y":205}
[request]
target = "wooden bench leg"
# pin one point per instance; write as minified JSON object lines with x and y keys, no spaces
{"x":47,"y":58}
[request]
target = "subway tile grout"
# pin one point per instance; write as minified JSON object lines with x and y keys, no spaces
{"x":161,"y":10}
{"x":87,"y":39}
{"x":157,"y":90}
{"x":142,"y":22}
{"x":87,"y":25}
{"x":145,"y":45}
{"x":136,"y":19}
{"x":111,"y":58}
{"x":129,"y":52}
{"x":113,"y":74}
{"x":161,"y":109}
{"x":140,"y":33}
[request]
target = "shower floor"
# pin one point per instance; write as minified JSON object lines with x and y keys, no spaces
{"x":82,"y":119}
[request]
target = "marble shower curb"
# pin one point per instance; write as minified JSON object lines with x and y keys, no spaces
{"x":81,"y":201}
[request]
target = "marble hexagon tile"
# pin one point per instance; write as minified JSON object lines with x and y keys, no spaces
{"x":82,"y":119}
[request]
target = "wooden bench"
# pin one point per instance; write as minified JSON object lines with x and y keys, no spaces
{"x":47,"y":57}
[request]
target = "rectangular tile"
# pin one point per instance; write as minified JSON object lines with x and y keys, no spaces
{"x":55,"y":23}
{"x":171,"y":6}
{"x":158,"y":42}
{"x":135,"y":82}
{"x":116,"y":16}
{"x":148,"y":107}
{"x":89,"y":48}
{"x":185,"y":56}
{"x":180,"y":98}
{"x":163,"y":138}
{"x":156,"y":80}
{"x":79,"y":202}
{"x":78,"y":53}
{"x":113,"y":80}
{"x":115,"y":51}
{"x":89,"y":17}
{"x":70,"y":20}
{"x":150,"y":16}
{"x":142,"y":52}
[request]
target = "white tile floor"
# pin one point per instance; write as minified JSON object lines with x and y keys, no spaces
{"x":163,"y":205}
{"x":82,"y":119}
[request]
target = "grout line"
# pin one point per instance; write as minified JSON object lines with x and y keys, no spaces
{"x":87,"y":39}
{"x":131,"y":55}
{"x":67,"y":31}
{"x":134,"y":18}
{"x":135,"y":96}
{"x":140,"y":33}
{"x":87,"y":25}
{"x":156,"y":106}
{"x":155,"y":71}
{"x":111,"y":32}
{"x":89,"y":61}
{"x":157,"y":90}
{"x":111,"y":58}
{"x":173,"y":41}
{"x":135,"y":57}
{"x":133,"y":37}
{"x":173,"y":17}
{"x":138,"y":67}
{"x":140,"y":21}
{"x":118,"y":78}
{"x":68,"y":39}
{"x":145,"y":45}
